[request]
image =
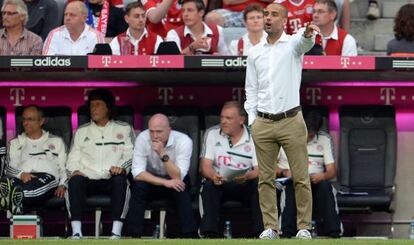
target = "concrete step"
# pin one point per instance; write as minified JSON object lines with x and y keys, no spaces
{"x":364,"y":31}
{"x":388,"y":8}
{"x":381,"y":41}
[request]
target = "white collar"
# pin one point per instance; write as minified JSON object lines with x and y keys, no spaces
{"x":333,"y":35}
{"x":262,"y":39}
{"x":207,"y":31}
{"x":170,"y":141}
{"x":84,"y":33}
{"x":283,"y":38}
{"x":144,"y":33}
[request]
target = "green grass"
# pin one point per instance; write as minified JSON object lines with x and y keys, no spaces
{"x":210,"y":242}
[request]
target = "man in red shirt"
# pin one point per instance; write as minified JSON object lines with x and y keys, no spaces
{"x":299,"y":14}
{"x":137,"y":40}
{"x":195,"y":36}
{"x":163,"y":15}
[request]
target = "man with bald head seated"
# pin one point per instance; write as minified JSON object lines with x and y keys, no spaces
{"x":75,"y":37}
{"x":160,"y":169}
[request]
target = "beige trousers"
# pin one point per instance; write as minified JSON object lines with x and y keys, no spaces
{"x":291,"y":134}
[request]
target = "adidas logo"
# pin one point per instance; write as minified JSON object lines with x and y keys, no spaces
{"x":86,"y":139}
{"x":218,"y":144}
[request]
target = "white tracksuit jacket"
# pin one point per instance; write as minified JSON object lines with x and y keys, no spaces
{"x":49,"y":156}
{"x":96,"y":149}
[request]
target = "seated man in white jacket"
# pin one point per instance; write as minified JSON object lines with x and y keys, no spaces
{"x":99,"y":161}
{"x":36,"y":168}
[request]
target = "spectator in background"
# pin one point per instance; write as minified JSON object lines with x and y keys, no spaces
{"x":116,"y":3}
{"x":403,"y":43}
{"x":195,"y":36}
{"x":373,"y":12}
{"x":160,"y":170}
{"x":253,"y":18}
{"x":344,"y":14}
{"x":335,"y":40}
{"x":106,"y":18}
{"x":137,"y":40}
{"x":231,"y":15}
{"x":75,"y":37}
{"x":42,"y":16}
{"x":98,"y":163}
{"x":230,"y":144}
{"x":1,"y":21}
{"x":15,"y":39}
{"x":321,"y":163}
{"x":299,"y":14}
{"x":36,"y":170}
{"x":163,"y":15}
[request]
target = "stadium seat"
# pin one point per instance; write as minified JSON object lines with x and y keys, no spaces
{"x":211,"y":116}
{"x":122,"y":113}
{"x":101,"y":203}
{"x":367,"y":158}
{"x":58,"y":121}
{"x":323,"y":111}
{"x":186,"y":120}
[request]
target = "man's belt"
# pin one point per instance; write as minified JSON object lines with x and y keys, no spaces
{"x":279,"y":116}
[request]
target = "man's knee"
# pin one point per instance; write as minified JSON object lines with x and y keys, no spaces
{"x":208,"y":187}
{"x":119,"y":180}
{"x":139,"y":187}
{"x":76,"y":180}
{"x":214,"y":18}
{"x":324,"y":186}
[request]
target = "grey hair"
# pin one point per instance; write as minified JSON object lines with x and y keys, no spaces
{"x":21,"y":8}
{"x":82,"y":7}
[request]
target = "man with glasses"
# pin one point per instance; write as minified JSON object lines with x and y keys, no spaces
{"x":15,"y":39}
{"x":333,"y":39}
{"x":36,"y":165}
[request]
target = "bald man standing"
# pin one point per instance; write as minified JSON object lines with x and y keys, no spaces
{"x":160,"y":169}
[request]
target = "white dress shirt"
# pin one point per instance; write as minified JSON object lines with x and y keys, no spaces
{"x":274,"y":73}
{"x":179,"y":148}
{"x":116,"y":47}
{"x":320,"y":154}
{"x":349,"y":47}
{"x":222,"y":49}
{"x":59,"y":42}
{"x":234,"y":44}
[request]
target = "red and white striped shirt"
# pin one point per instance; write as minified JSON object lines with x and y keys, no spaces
{"x":59,"y":42}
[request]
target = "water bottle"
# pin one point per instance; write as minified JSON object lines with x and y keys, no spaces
{"x":227,"y":230}
{"x":156,"y":233}
{"x":314,"y":234}
{"x":411,"y":237}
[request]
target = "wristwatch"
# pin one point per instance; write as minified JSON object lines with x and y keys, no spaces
{"x":165,"y":158}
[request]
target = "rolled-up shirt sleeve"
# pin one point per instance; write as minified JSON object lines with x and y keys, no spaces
{"x":303,"y":44}
{"x":251,"y":88}
{"x":140,"y":158}
{"x":183,"y":154}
